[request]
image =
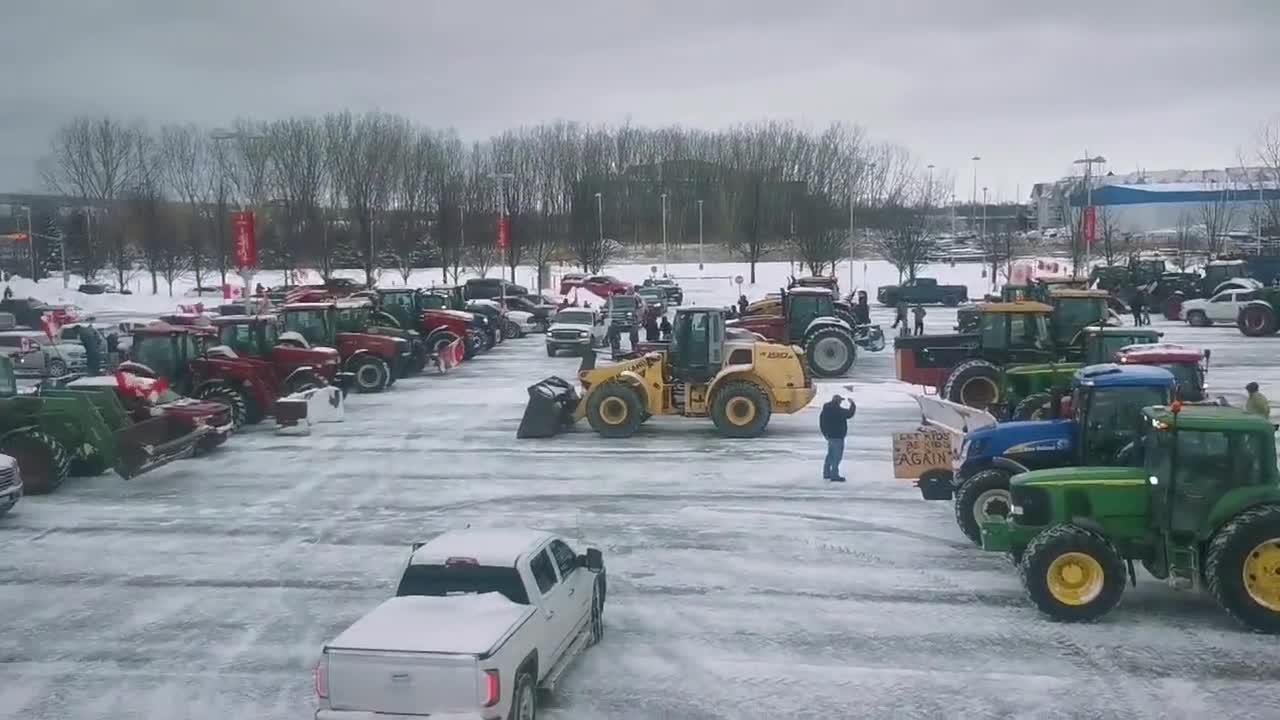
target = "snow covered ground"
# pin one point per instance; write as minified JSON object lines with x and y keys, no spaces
{"x":741,"y":585}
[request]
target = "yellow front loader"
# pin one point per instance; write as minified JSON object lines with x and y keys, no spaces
{"x":739,"y":384}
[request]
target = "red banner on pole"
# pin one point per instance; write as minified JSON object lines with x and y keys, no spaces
{"x":246,"y":239}
{"x":504,"y":227}
{"x":1090,"y":224}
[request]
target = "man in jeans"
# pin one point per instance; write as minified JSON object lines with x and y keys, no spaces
{"x":834,"y":423}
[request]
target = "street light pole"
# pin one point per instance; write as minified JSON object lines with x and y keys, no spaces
{"x":974,"y":197}
{"x":664,"y":234}
{"x":600,"y":217}
{"x":1088,"y":162}
{"x":700,"y":235}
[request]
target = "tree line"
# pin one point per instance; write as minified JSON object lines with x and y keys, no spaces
{"x":376,"y":191}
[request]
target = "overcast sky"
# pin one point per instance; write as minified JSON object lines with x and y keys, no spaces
{"x":1026,"y":84}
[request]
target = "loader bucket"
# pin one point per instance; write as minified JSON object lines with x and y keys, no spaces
{"x":147,"y":445}
{"x":552,"y":403}
{"x":952,"y":417}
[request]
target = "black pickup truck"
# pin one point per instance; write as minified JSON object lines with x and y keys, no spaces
{"x":922,"y":291}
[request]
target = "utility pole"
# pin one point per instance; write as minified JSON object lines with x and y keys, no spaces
{"x":983,"y":242}
{"x":1088,"y":162}
{"x":973,"y":200}
{"x":664,"y":234}
{"x":31,"y":240}
{"x":600,"y":217}
{"x":700,"y":235}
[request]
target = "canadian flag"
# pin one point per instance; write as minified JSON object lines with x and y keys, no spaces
{"x":52,"y":322}
{"x":145,"y":389}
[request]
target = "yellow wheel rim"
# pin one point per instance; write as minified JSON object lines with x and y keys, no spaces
{"x":613,"y":411}
{"x":1075,"y":579}
{"x":1262,"y":574}
{"x":740,"y":411}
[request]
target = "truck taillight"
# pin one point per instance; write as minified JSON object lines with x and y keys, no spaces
{"x":322,"y":678}
{"x":492,"y":688}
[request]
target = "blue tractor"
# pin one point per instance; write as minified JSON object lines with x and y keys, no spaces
{"x":1096,"y":426}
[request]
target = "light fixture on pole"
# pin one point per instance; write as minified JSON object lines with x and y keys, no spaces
{"x":699,"y":235}
{"x":664,"y":234}
{"x":973,"y":207}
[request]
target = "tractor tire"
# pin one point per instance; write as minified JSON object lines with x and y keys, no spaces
{"x":830,"y":352}
{"x":1172,"y":308}
{"x":1036,"y":406}
{"x":974,"y":383}
{"x":1197,"y":318}
{"x":471,"y":345}
{"x":741,"y":409}
{"x":373,"y":375}
{"x":231,"y":396}
{"x":42,"y":460}
{"x":1257,"y":320}
{"x":615,"y":410}
{"x":985,"y":496}
{"x":91,"y":465}
{"x":1072,"y":574}
{"x":1242,"y":568}
{"x":440,"y":341}
{"x":304,"y":381}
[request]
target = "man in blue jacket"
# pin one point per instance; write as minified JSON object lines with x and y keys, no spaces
{"x":834,"y":423}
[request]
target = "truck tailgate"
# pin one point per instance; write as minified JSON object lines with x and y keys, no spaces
{"x":399,"y":682}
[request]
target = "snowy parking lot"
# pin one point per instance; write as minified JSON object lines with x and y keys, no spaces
{"x":741,"y":585}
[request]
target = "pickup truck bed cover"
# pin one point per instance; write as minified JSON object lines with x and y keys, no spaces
{"x":459,"y":624}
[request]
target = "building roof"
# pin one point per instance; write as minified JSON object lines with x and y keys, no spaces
{"x":1181,"y":192}
{"x":1113,"y":375}
{"x":487,"y":546}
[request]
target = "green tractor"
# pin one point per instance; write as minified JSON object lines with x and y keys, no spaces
{"x":360,"y":314}
{"x":54,"y":434}
{"x":1199,"y":507}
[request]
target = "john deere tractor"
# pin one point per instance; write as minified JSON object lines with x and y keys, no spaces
{"x":53,"y":435}
{"x":739,"y":384}
{"x":1198,"y":505}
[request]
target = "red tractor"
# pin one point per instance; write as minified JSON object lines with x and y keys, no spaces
{"x":301,"y":365}
{"x":806,"y":316}
{"x":375,"y":361}
{"x":1188,"y":365}
{"x":251,"y":387}
{"x":433,"y":318}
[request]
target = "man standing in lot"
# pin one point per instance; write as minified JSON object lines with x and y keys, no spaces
{"x":918,"y":313}
{"x":834,"y":423}
{"x":1257,"y":404}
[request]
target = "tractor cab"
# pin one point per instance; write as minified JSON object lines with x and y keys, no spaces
{"x":1018,"y":332}
{"x":1106,"y":404}
{"x":1188,"y":365}
{"x":801,"y":306}
{"x":260,"y":336}
{"x":1217,"y":272}
{"x":1074,"y":310}
{"x":697,"y":344}
{"x":166,"y":350}
{"x":375,"y":360}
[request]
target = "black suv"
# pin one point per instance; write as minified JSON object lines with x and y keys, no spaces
{"x":671,"y":291}
{"x":491,"y":288}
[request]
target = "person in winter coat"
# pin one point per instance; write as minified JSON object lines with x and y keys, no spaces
{"x":1257,"y":404}
{"x":665,"y":327}
{"x":918,"y":313}
{"x":862,"y":310}
{"x":834,"y":423}
{"x":1139,"y":302}
{"x":900,"y":319}
{"x":651,"y":325}
{"x":92,"y":349}
{"x":8,"y":293}
{"x":742,"y":305}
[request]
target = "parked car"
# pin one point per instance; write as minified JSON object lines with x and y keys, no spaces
{"x":10,"y":484}
{"x":482,"y":620}
{"x":27,"y":311}
{"x":203,"y":291}
{"x":673,"y":293}
{"x":577,"y":330}
{"x":922,"y":291}
{"x":516,"y":323}
{"x":654,"y":296}
{"x":535,"y":305}
{"x":34,"y":353}
{"x":490,"y":288}
{"x":569,"y":281}
{"x":606,"y":285}
{"x":1223,"y":307}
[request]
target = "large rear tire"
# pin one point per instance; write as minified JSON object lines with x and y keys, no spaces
{"x":1072,"y":574}
{"x":982,"y":498}
{"x":974,"y":383}
{"x":303,"y":381}
{"x":42,"y":460}
{"x":229,"y":395}
{"x":1036,"y":406}
{"x":741,"y":409}
{"x":1242,"y":568}
{"x":1197,"y":318}
{"x":373,"y":375}
{"x":615,"y":410}
{"x":830,"y":352}
{"x":1257,"y":320}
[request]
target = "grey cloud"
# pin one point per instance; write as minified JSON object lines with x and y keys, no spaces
{"x":1024,"y":84}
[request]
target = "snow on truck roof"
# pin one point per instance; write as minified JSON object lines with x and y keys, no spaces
{"x":454,"y":624}
{"x":496,"y":547}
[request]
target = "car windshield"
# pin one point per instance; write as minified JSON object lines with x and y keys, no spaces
{"x":442,"y":580}
{"x":575,"y":317}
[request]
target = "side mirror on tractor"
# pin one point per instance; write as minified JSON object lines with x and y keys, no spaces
{"x":593,"y":560}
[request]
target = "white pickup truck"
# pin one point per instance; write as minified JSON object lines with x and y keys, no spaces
{"x":481,"y":620}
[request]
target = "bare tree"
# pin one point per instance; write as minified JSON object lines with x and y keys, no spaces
{"x":189,"y":174}
{"x":365,"y":152}
{"x":1185,"y":238}
{"x":818,"y":233}
{"x":905,"y":240}
{"x":297,"y":177}
{"x":1216,"y":215}
{"x":147,"y":214}
{"x":1114,"y":243}
{"x":1268,"y":186}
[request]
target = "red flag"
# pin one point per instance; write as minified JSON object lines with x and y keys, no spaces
{"x":1090,"y":224}
{"x":504,"y":230}
{"x":246,"y":239}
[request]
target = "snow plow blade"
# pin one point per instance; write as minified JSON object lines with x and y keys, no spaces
{"x":552,"y":403}
{"x":154,"y":442}
{"x":324,"y":404}
{"x":952,"y":417}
